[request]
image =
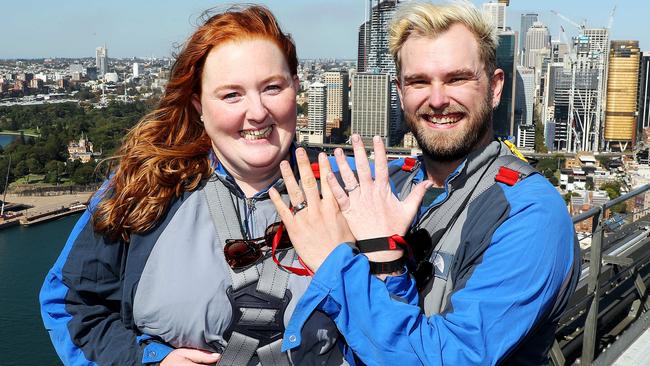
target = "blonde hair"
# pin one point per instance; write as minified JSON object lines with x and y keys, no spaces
{"x":424,"y":19}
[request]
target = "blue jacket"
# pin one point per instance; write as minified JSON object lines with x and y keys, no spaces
{"x":512,"y":278}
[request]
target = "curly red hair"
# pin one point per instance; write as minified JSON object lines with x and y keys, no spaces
{"x":166,"y":153}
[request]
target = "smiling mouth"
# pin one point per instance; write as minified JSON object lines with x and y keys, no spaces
{"x":252,"y":135}
{"x":442,"y":119}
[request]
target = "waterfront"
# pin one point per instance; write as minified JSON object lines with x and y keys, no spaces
{"x":26,"y":254}
{"x":6,"y":139}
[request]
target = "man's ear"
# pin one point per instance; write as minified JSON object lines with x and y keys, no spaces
{"x":196,"y":102}
{"x":496,"y":83}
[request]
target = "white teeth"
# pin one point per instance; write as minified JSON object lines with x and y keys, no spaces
{"x":442,"y":120}
{"x":256,"y":134}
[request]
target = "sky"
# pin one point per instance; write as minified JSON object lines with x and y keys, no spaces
{"x":321,"y":28}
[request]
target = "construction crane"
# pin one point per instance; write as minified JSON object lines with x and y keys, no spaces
{"x":580,"y":27}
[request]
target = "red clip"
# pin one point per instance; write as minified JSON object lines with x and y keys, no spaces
{"x":409,"y":164}
{"x":507,"y":176}
{"x":316,"y":170}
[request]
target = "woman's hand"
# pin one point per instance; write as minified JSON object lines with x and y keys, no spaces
{"x":190,"y":357}
{"x":318,"y":228}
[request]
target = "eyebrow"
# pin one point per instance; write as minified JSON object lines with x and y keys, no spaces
{"x":455,"y":73}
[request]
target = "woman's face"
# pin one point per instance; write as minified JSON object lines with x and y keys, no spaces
{"x":248,"y":104}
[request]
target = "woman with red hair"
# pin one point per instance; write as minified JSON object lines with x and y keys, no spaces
{"x":172,"y":261}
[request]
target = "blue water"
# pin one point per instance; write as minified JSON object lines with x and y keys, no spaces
{"x":6,"y":139}
{"x":26,"y":254}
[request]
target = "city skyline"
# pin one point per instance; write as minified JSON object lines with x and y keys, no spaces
{"x":146,"y":28}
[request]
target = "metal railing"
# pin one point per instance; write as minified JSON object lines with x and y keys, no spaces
{"x":596,"y":258}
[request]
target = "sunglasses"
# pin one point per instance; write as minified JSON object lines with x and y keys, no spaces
{"x":243,"y":253}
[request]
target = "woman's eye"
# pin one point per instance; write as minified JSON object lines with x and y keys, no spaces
{"x":231,"y":96}
{"x":273,"y":88}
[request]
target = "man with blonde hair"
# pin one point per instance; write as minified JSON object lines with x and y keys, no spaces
{"x":494,"y":257}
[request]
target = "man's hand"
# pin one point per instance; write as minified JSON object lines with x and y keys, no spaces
{"x":190,"y":357}
{"x":369,"y":206}
{"x":318,"y":228}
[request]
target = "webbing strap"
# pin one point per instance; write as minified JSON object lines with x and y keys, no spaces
{"x":271,"y":280}
{"x":257,"y":315}
{"x":271,"y":354}
{"x":239,"y":351}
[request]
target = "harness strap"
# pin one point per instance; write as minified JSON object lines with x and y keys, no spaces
{"x":260,"y":312}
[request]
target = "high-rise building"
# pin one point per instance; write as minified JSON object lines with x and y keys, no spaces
{"x":644,"y":95}
{"x":527,"y":21}
{"x":137,"y":69}
{"x":525,"y":96}
{"x":504,"y":114}
{"x":526,"y":137}
{"x":317,"y":112}
{"x":496,"y":13}
{"x":380,"y":61}
{"x":537,"y":38}
{"x":101,"y":60}
{"x":337,"y":86}
{"x":370,"y":99}
{"x":622,"y":88}
{"x":363,"y":47}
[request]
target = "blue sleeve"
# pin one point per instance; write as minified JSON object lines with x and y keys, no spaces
{"x":80,"y":302}
{"x":516,"y":282}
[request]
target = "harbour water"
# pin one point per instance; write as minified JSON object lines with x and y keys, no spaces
{"x":6,"y":139}
{"x":26,"y":254}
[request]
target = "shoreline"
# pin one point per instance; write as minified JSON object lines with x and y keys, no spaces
{"x":44,"y":204}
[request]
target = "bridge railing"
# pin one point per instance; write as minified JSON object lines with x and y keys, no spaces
{"x":603,"y":225}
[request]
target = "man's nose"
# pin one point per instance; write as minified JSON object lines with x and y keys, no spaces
{"x":438,"y":97}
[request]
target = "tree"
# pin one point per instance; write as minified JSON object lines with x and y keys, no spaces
{"x":540,"y":144}
{"x":84,"y":174}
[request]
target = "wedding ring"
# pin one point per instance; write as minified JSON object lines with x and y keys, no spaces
{"x":348,"y":190}
{"x":298,"y":207}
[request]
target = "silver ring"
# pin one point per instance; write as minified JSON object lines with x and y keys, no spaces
{"x":348,"y":190}
{"x":302,"y":205}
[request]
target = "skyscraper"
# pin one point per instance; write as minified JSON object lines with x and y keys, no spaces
{"x":370,"y":97}
{"x":380,"y":61}
{"x":622,"y":88}
{"x":527,"y":21}
{"x":363,"y":47}
{"x":525,"y":96}
{"x":337,"y":86}
{"x":537,"y":38}
{"x":644,"y":95}
{"x":503,"y":115}
{"x":137,"y":70}
{"x":496,"y":12}
{"x":101,"y":60}
{"x":317,"y":112}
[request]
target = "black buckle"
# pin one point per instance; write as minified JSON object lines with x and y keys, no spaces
{"x":249,"y":297}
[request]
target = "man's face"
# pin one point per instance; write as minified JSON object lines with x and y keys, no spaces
{"x":445,"y":93}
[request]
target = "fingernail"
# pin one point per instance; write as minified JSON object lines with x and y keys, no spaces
{"x":376,"y":139}
{"x":355,"y":138}
{"x":338,"y":152}
{"x":300,"y":151}
{"x":284,"y":164}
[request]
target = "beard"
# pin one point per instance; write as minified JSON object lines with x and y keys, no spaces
{"x":447,"y":146}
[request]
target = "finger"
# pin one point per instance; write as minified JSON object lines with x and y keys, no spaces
{"x":381,"y":163}
{"x":361,"y":160}
{"x":325,"y":169}
{"x":307,"y":179}
{"x":337,"y":191}
{"x":200,"y":357}
{"x":293,"y":189}
{"x":285,"y":213}
{"x":414,"y":199}
{"x":349,"y":180}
